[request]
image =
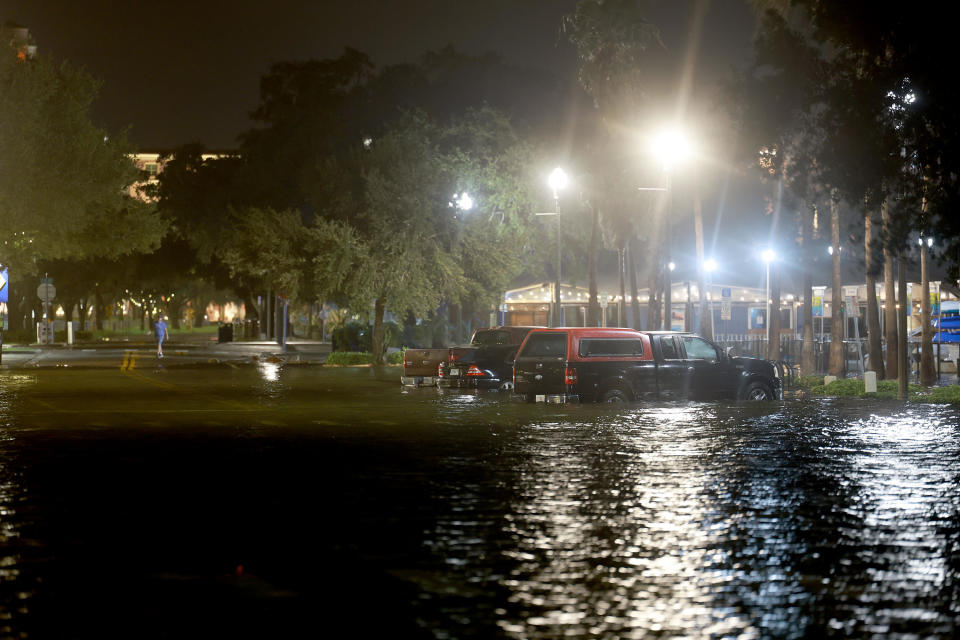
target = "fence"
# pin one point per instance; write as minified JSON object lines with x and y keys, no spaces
{"x":791,"y":347}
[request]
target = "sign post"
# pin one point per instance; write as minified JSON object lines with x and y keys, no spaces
{"x":46,"y":292}
{"x":853,"y":311}
{"x":4,"y":295}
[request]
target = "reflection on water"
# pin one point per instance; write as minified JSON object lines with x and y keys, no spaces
{"x":463,"y":514}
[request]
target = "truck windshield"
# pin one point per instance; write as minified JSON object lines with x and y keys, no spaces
{"x":545,"y":345}
{"x":486,"y":338}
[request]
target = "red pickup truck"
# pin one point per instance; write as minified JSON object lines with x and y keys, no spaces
{"x":620,"y":365}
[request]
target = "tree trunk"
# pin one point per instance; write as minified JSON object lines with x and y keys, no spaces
{"x":622,"y":307}
{"x":706,"y":326}
{"x":807,"y":358}
{"x":773,"y":322}
{"x":99,"y":310}
{"x":175,"y":310}
{"x":890,"y":302}
{"x":378,"y":332}
{"x":873,"y":309}
{"x":836,"y":296}
{"x":634,"y":298}
{"x":928,"y":371}
{"x":903,"y":364}
{"x":594,"y":310}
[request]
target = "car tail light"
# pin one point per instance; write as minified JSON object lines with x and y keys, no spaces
{"x":569,"y":375}
{"x":404,"y":357}
{"x":440,"y":370}
{"x":474,"y":371}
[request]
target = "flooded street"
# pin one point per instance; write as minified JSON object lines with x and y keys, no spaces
{"x":311,"y":502}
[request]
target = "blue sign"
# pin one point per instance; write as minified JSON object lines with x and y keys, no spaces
{"x":725,"y":292}
{"x":4,"y":285}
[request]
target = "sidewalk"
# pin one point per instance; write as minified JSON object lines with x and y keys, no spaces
{"x":177,"y":352}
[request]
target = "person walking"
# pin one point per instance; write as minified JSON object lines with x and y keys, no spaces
{"x":160,"y":331}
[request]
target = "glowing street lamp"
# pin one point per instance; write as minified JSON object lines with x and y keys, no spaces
{"x":671,"y":147}
{"x":768,"y":256}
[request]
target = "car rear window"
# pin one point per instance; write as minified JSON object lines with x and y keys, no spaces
{"x":545,"y":345}
{"x":611,"y":347}
{"x":482,"y":338}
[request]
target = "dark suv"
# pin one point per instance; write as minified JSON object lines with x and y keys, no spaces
{"x":617,"y":365}
{"x":487,"y":363}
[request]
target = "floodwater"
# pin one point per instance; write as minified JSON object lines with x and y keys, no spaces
{"x":309,"y":502}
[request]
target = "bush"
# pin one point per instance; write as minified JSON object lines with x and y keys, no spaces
{"x":352,"y":336}
{"x":949,"y":395}
{"x":349,"y":357}
{"x":356,"y":336}
{"x":395,"y":357}
{"x":855,"y":388}
{"x":78,"y":336}
{"x":20,"y":336}
{"x":809,"y":382}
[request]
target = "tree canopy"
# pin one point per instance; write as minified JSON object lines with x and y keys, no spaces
{"x":63,"y":181}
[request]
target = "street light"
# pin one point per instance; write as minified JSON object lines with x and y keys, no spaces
{"x":768,"y":256}
{"x":671,"y":147}
{"x":709,"y":266}
{"x":557,"y":182}
{"x":463,"y":203}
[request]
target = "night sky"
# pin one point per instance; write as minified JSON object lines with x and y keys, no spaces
{"x":177,"y":71}
{"x":182,"y":71}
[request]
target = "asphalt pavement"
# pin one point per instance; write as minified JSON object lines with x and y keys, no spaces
{"x":179,"y":351}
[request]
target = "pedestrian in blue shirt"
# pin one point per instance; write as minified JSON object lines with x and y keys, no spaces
{"x":160,"y":331}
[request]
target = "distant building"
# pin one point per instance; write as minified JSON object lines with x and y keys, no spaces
{"x":20,"y":40}
{"x":152,"y":163}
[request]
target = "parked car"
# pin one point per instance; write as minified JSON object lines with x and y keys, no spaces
{"x":487,"y":362}
{"x":420,"y":366}
{"x":619,"y":365}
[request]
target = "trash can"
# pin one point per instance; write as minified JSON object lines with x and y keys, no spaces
{"x":225,"y":333}
{"x":251,"y":329}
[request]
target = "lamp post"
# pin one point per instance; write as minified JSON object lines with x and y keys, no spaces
{"x":927,"y":370}
{"x":768,"y":256}
{"x":670,"y":147}
{"x":709,"y":266}
{"x":557,"y":181}
{"x":463,"y":203}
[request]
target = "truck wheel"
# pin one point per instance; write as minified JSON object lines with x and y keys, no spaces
{"x":758,"y":391}
{"x":614,"y":395}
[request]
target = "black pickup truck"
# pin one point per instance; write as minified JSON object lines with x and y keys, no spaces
{"x":619,"y":365}
{"x":486,"y":363}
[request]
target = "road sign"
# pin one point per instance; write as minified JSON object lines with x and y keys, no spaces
{"x":725,"y":309}
{"x":725,"y":292}
{"x":852,"y":308}
{"x":46,"y":292}
{"x":4,"y":289}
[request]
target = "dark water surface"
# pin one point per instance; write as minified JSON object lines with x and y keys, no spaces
{"x":307,"y":502}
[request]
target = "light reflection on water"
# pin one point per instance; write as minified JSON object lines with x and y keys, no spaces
{"x":498,"y":518}
{"x":713,"y":521}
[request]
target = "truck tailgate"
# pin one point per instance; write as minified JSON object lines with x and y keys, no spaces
{"x":423,"y":362}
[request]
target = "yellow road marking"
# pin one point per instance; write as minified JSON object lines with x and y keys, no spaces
{"x":136,"y":375}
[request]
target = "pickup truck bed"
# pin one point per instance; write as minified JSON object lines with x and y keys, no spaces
{"x":420,"y":366}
